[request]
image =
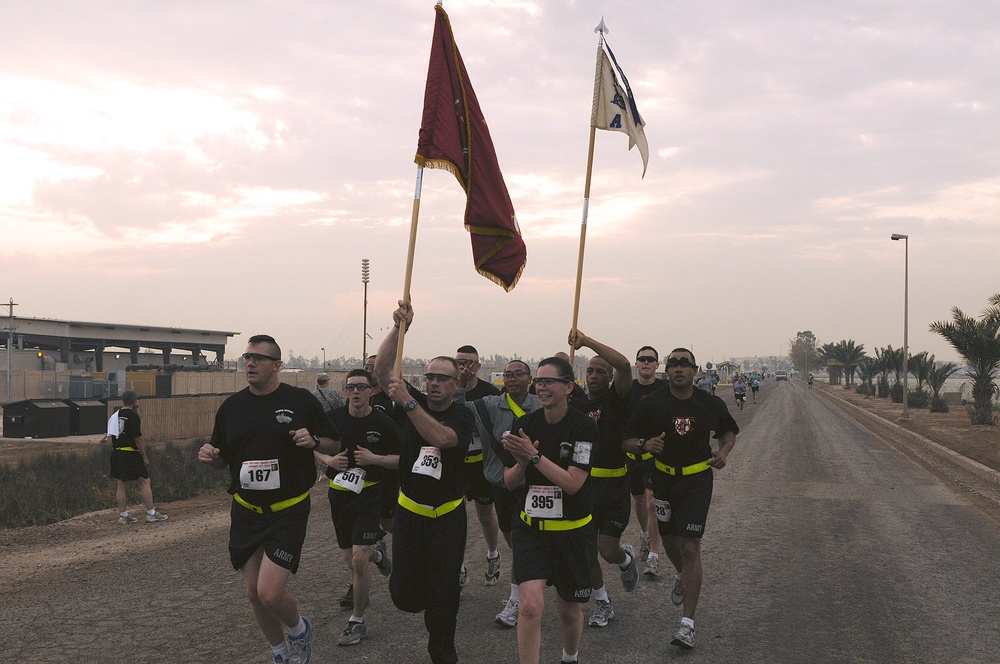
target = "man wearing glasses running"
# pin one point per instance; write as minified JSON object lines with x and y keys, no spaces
{"x":428,"y":540}
{"x":675,"y":425}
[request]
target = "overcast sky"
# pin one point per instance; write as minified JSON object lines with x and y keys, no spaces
{"x":227,"y":165}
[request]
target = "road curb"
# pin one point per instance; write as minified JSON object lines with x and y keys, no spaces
{"x":965,"y":463}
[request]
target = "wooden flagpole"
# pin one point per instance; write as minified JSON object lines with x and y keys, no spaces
{"x":398,"y":368}
{"x":600,"y":29}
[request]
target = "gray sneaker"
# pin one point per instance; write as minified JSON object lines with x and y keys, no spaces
{"x":630,"y":575}
{"x":127,"y":519}
{"x":492,"y":569}
{"x":278,"y":659}
{"x":300,"y":649}
{"x":643,"y":547}
{"x":652,"y":566}
{"x":353,"y":634}
{"x":508,"y":617}
{"x":683,"y":637}
{"x":677,"y":594}
{"x":602,"y":615}
{"x":155,"y":517}
{"x":384,"y":564}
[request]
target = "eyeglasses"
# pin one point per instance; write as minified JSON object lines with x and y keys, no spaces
{"x":438,"y":378}
{"x":680,"y":362}
{"x":546,"y":382}
{"x":515,"y":374}
{"x":360,"y":387}
{"x":257,"y":357}
{"x":463,"y":363}
{"x":646,"y":358}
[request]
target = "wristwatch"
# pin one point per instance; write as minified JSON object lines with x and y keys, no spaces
{"x":536,"y":459}
{"x":315,"y":440}
{"x":642,"y":445}
{"x":410,"y":405}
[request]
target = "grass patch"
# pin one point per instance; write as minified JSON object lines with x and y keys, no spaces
{"x":57,"y":486}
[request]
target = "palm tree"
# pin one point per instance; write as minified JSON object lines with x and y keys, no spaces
{"x":885,"y":359}
{"x":868,"y":368}
{"x":978,"y":341}
{"x":828,"y":355}
{"x":851,"y":355}
{"x":920,"y":366}
{"x":936,"y":378}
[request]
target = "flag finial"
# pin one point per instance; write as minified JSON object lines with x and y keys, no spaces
{"x":603,"y":29}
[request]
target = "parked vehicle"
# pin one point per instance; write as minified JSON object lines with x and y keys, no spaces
{"x":780,"y":375}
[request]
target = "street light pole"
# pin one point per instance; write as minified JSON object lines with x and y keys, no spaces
{"x":364,"y":330}
{"x":906,"y":322}
{"x":324,"y":357}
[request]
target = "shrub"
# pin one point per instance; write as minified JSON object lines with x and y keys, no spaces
{"x":938,"y":405}
{"x":918,"y":399}
{"x":57,"y":486}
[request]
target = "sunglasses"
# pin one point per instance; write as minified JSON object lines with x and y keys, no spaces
{"x":515,"y":374}
{"x":646,"y":358}
{"x":680,"y":362}
{"x":438,"y":378}
{"x":257,"y":357}
{"x":463,"y":363}
{"x":369,"y":368}
{"x":360,"y":387}
{"x":546,"y":382}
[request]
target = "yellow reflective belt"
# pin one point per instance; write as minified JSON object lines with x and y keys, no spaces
{"x":276,"y":507}
{"x":424,"y":510}
{"x":516,"y":409}
{"x":686,"y":470}
{"x":646,"y":456}
{"x":475,"y":458}
{"x":126,"y":449}
{"x":556,"y":524}
{"x":341,"y":488}
{"x":608,"y":472}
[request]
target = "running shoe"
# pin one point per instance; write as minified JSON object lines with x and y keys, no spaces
{"x":278,"y":659}
{"x":127,"y":519}
{"x":508,"y":617}
{"x":155,"y":517}
{"x":353,"y":634}
{"x":300,"y":649}
{"x":643,"y":547}
{"x":492,"y":569}
{"x":683,"y":637}
{"x":630,"y":575}
{"x":652,"y":566}
{"x":677,"y":594}
{"x":347,"y":601}
{"x":384,"y":564}
{"x":602,"y":615}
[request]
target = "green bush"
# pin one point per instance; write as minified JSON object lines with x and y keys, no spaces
{"x":57,"y":486}
{"x":918,"y":399}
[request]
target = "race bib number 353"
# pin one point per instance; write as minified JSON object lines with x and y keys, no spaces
{"x":260,"y":475}
{"x":428,"y":462}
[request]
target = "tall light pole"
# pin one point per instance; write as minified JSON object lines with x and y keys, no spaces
{"x":364,"y":330}
{"x":906,"y":322}
{"x":324,"y":357}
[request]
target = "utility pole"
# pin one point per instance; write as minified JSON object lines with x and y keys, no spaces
{"x":10,"y":347}
{"x":364,"y":328}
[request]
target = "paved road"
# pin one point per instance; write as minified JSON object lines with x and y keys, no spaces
{"x":823,"y":545}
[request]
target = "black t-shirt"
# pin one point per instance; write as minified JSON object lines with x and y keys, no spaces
{"x":610,"y":413}
{"x":250,"y":427}
{"x":640,"y":391}
{"x":425,"y":489}
{"x":688,"y":424}
{"x":375,"y":432}
{"x":575,"y":428}
{"x":129,"y":427}
{"x":482,"y":389}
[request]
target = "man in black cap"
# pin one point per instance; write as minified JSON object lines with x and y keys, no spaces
{"x":129,"y":460}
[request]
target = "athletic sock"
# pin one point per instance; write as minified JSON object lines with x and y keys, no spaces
{"x":644,"y":536}
{"x":688,"y":621}
{"x":601,"y":594}
{"x":281,"y":649}
{"x":356,"y":619}
{"x":653,"y":556}
{"x":151,"y":512}
{"x":566,"y":657}
{"x":628,"y":561}
{"x":492,"y":555}
{"x":125,"y":513}
{"x":515,"y":592}
{"x":298,"y":630}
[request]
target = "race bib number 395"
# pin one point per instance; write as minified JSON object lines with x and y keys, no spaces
{"x":543,"y":502}
{"x":260,"y":474}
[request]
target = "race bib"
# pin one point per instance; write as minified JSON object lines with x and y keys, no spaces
{"x":662,"y":509}
{"x":260,"y":475}
{"x":352,"y":479}
{"x":543,"y":502}
{"x":428,"y":462}
{"x":476,"y":445}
